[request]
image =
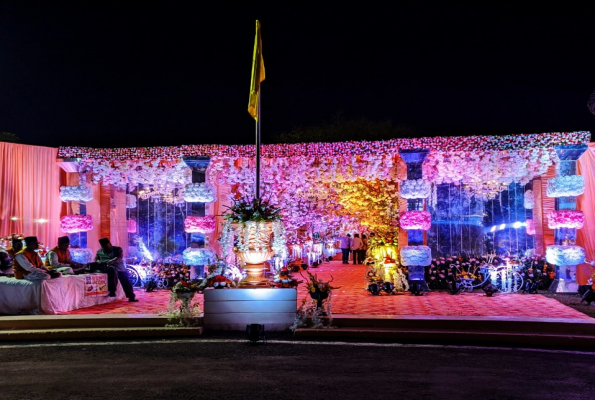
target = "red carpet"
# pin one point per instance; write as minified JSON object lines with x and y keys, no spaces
{"x":352,"y":298}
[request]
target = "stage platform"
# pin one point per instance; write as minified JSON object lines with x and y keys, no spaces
{"x":351,"y":298}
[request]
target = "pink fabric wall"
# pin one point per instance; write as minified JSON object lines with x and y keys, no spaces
{"x":586,"y":236}
{"x":30,"y":190}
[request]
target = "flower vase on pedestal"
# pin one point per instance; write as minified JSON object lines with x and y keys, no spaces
{"x":254,"y":248}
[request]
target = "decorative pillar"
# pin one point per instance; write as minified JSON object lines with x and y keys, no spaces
{"x":198,"y":165}
{"x":566,"y":219}
{"x":415,"y":255}
{"x":76,"y":196}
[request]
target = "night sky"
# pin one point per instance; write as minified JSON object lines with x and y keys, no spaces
{"x":104,"y":74}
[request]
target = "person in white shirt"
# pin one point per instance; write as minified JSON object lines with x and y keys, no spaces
{"x":345,"y":243}
{"x":356,"y":245}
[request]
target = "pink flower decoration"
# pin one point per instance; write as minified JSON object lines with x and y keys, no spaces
{"x":566,"y":219}
{"x":530,"y":227}
{"x":76,"y":223}
{"x":131,"y":226}
{"x":416,"y":220}
{"x":199,"y":224}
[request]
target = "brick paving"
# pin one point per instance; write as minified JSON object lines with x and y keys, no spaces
{"x":352,"y":298}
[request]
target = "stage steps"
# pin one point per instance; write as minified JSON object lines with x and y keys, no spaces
{"x":491,"y":331}
{"x":91,"y":326}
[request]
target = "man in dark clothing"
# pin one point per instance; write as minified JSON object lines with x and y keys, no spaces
{"x":113,"y":257}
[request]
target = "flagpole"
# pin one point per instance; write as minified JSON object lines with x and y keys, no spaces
{"x":257,"y":189}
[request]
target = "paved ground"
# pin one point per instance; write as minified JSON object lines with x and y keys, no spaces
{"x":217,"y":368}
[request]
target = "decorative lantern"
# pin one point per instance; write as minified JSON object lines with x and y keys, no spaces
{"x":199,"y":224}
{"x":76,"y":223}
{"x":416,"y":220}
{"x":199,"y":192}
{"x":565,"y":219}
{"x":76,"y":193}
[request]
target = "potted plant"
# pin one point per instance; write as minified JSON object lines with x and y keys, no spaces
{"x":319,"y":290}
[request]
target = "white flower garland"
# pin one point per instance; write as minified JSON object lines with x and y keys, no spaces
{"x":416,"y":255}
{"x":193,"y":256}
{"x":82,"y":255}
{"x":76,"y":193}
{"x":566,"y":186}
{"x":415,"y":189}
{"x":200,"y":192}
{"x":565,"y":255}
{"x":130,"y":201}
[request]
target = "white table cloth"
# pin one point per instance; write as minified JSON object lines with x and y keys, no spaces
{"x":54,"y":296}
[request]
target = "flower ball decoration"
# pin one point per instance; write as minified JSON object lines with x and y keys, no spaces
{"x":83,"y":256}
{"x":530,"y":227}
{"x":130,"y":201}
{"x":76,"y":223}
{"x":199,"y":192}
{"x":76,"y":193}
{"x":194,"y":256}
{"x":199,"y":224}
{"x":529,"y":200}
{"x":416,"y":255}
{"x":415,"y":189}
{"x":416,"y":220}
{"x":566,"y":219}
{"x":131,"y":225}
{"x":566,"y":186}
{"x":565,"y":255}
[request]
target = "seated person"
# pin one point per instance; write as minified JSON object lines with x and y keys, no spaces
{"x":59,"y":258}
{"x":17,"y":245}
{"x":28,"y":265}
{"x":5,"y":264}
{"x":112,"y":256}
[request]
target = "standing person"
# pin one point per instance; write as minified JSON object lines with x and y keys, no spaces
{"x":345,"y":243}
{"x":113,"y":256}
{"x":59,"y":258}
{"x":356,"y":246}
{"x":364,"y":249}
{"x":27,"y":264}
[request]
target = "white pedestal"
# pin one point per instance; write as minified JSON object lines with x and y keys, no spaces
{"x":233,"y":309}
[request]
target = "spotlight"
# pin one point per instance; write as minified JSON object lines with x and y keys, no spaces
{"x":493,"y":228}
{"x":255,"y":332}
{"x":374,"y":288}
{"x":388,"y":287}
{"x":517,"y":225}
{"x":502,"y":227}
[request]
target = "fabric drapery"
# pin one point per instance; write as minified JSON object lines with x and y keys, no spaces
{"x":586,"y":235}
{"x":30,"y":192}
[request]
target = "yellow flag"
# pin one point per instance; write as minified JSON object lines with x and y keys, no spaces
{"x":257,"y":74}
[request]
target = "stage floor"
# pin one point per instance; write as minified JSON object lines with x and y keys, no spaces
{"x":352,"y":298}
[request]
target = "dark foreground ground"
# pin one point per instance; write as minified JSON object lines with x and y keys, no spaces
{"x":231,"y":368}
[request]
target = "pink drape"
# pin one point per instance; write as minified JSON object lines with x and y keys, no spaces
{"x":30,"y":192}
{"x":586,"y":236}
